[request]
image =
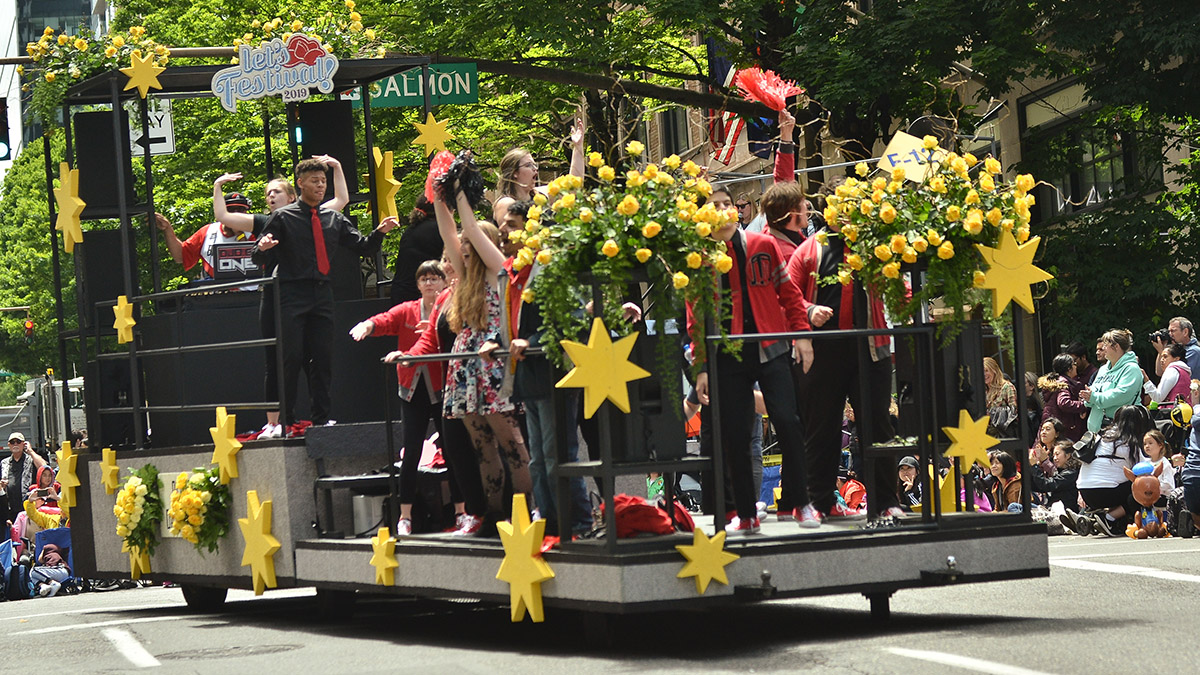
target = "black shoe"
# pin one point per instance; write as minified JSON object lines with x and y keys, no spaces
{"x":1186,"y":526}
{"x":1070,"y":520}
{"x":1104,"y":525}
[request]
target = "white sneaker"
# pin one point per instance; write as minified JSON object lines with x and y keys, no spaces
{"x":761,"y":510}
{"x":470,"y":526}
{"x":330,"y":423}
{"x":270,"y":431}
{"x":403,"y":527}
{"x":49,"y":589}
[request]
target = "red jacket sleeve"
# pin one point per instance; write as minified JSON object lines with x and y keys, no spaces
{"x":395,"y":320}
{"x":192,"y":246}
{"x":785,"y":163}
{"x":795,"y":307}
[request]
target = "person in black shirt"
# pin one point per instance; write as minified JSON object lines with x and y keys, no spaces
{"x":420,"y":241}
{"x":290,"y":241}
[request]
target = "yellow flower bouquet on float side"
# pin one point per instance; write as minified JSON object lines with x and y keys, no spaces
{"x":139,"y":509}
{"x":647,"y":225}
{"x":199,"y":510}
{"x":888,"y":222}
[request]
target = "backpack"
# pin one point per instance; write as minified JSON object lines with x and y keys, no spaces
{"x":16,"y":583}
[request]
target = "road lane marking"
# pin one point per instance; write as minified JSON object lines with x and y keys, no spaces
{"x":98,"y":624}
{"x":964,"y":662}
{"x":1126,"y":569}
{"x":130,"y":648}
{"x":1081,"y":556}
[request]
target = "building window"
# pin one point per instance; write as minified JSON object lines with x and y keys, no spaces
{"x":673,"y":128}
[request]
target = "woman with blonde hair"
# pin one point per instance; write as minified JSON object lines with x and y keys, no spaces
{"x":1001,"y":398}
{"x":519,"y":172}
{"x":477,"y":390}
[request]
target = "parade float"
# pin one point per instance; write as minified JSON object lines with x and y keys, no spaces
{"x":170,"y":493}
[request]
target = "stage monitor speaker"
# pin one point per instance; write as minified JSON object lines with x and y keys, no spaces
{"x":99,"y":276}
{"x":327,"y":128}
{"x":108,"y":386}
{"x":94,"y":152}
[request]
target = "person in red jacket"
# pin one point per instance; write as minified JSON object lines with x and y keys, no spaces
{"x":420,"y":385}
{"x":835,"y":373}
{"x":764,"y":300}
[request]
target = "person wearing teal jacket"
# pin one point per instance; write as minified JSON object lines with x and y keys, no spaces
{"x":1117,"y":383}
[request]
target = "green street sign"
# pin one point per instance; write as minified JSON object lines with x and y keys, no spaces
{"x":448,"y":83}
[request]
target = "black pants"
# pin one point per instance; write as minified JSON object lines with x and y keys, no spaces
{"x":307,"y":320}
{"x":416,"y":414}
{"x":459,"y":454}
{"x":822,"y":393}
{"x":735,"y":379}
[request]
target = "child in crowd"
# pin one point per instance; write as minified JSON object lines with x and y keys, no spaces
{"x":1157,"y":450}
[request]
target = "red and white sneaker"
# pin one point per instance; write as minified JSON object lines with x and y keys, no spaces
{"x":739,"y":526}
{"x":782,"y":515}
{"x":839,"y":512}
{"x":808,"y":516}
{"x":403,"y":527}
{"x":471,"y":525}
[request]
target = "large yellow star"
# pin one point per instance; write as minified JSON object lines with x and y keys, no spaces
{"x":433,"y":134}
{"x":602,"y":369}
{"x":66,"y":475}
{"x":139,"y":560}
{"x":970,"y":440}
{"x":70,"y":206}
{"x":225,"y":445}
{"x":142,"y":73}
{"x":523,"y":567}
{"x":945,"y":486}
{"x":383,"y":558}
{"x":386,"y":184}
{"x":124,"y":322}
{"x":110,"y":474}
{"x":260,"y":545}
{"x":1011,"y":272}
{"x":706,"y":559}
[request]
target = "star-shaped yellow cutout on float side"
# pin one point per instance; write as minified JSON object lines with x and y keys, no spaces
{"x":970,"y":440}
{"x":142,"y":73}
{"x":706,"y":559}
{"x":67,"y":477}
{"x":124,"y":322}
{"x":110,"y":473}
{"x":139,"y":560}
{"x":383,"y":558}
{"x":70,"y":206}
{"x":225,"y":445}
{"x":260,"y":545}
{"x":433,"y":134}
{"x":1011,"y":272}
{"x":523,"y":567}
{"x":602,"y":369}
{"x":386,"y":185}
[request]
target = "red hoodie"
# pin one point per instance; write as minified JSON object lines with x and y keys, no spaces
{"x":401,"y":321}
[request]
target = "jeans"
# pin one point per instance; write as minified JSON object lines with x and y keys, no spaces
{"x":543,"y":463}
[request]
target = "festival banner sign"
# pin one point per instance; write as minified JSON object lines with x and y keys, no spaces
{"x":276,"y":69}
{"x":448,"y":83}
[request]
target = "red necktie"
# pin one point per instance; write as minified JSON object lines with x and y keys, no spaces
{"x":319,"y":243}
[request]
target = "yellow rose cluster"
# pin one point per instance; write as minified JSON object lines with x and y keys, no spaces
{"x":189,"y":504}
{"x":131,"y":505}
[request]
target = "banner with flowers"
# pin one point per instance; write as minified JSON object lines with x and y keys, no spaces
{"x":933,"y":226}
{"x":648,"y":227}
{"x":199,"y":509}
{"x":139,"y":509}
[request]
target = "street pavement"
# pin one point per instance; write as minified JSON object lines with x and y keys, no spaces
{"x":1109,"y":606}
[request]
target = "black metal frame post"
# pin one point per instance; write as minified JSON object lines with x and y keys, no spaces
{"x":135,"y":392}
{"x":55,"y":262}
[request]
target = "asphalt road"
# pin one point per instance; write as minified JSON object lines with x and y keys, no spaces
{"x":1109,"y":606}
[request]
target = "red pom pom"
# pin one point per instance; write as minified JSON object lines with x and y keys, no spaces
{"x":437,"y":168}
{"x":765,"y":87}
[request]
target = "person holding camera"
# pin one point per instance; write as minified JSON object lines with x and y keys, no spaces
{"x":16,"y":474}
{"x":1178,"y":331}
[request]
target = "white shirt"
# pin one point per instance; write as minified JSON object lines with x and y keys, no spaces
{"x":1108,"y":469}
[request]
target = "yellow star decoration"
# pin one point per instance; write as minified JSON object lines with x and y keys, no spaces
{"x":110,"y":474}
{"x":142,"y":73}
{"x":706,"y":559}
{"x":945,"y":486}
{"x":523,"y":567}
{"x":70,"y":206}
{"x":225,"y":445}
{"x":386,"y":185}
{"x":124,"y":323}
{"x":139,"y":561}
{"x":384,"y":557}
{"x":260,"y":545}
{"x":602,"y":369}
{"x":66,"y":475}
{"x":1011,"y":272}
{"x":970,"y":440}
{"x":433,"y":134}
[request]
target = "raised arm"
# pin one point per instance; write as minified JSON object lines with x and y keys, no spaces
{"x":487,"y":251}
{"x":242,"y":222}
{"x":449,"y":232}
{"x":785,"y":158}
{"x":341,"y":194}
{"x":578,"y":131}
{"x":174,"y":246}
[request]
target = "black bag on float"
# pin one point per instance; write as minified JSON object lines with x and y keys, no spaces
{"x":1085,"y":447}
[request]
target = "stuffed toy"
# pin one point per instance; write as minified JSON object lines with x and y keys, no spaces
{"x":1147,"y":521}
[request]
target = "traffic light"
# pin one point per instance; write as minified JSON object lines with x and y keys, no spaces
{"x":5,"y":148}
{"x":28,"y":331}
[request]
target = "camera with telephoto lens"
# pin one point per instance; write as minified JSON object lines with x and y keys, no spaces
{"x":1160,"y":335}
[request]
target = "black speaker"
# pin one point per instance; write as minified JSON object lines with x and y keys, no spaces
{"x":94,"y":153}
{"x":111,"y":389}
{"x":99,"y":277}
{"x":327,"y":128}
{"x":345,"y":272}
